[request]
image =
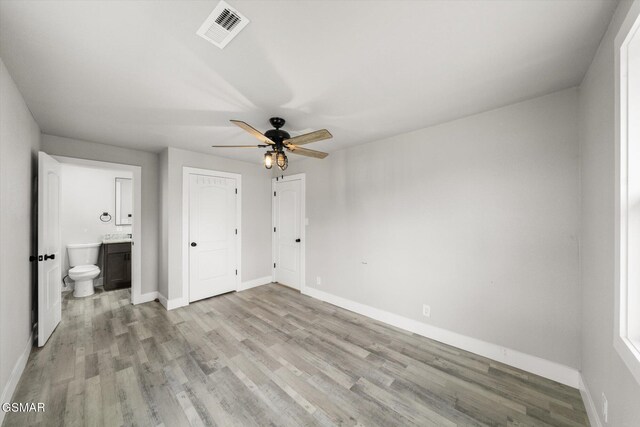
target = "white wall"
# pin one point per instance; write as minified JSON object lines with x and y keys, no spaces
{"x":256,"y":215}
{"x":477,"y":218}
{"x":19,"y":144}
{"x":602,"y":369}
{"x":68,"y":147}
{"x":85,"y":194}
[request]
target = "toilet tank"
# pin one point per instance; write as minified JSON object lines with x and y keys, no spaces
{"x":83,"y":253}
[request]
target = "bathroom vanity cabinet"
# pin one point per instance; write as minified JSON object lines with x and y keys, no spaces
{"x":116,"y":265}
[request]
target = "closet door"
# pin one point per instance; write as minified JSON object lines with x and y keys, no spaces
{"x":288,"y":232}
{"x":213,"y":235}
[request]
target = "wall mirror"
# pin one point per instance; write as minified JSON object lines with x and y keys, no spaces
{"x":124,"y":201}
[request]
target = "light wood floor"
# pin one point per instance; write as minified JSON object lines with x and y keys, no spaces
{"x":269,"y":356}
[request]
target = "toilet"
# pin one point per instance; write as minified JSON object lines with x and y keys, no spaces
{"x":83,"y":258}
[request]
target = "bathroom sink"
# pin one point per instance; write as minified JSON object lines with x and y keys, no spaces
{"x":117,"y":238}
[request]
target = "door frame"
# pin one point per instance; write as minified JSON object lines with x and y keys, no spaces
{"x":303,"y":225}
{"x":186,"y":171}
{"x":136,"y":225}
{"x":623,"y":343}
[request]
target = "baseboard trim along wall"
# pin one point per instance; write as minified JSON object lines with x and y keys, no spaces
{"x":255,"y":283}
{"x":171,"y":304}
{"x":536,"y":365}
{"x":163,"y":300}
{"x":589,"y":404}
{"x":148,"y":297}
{"x":16,"y":373}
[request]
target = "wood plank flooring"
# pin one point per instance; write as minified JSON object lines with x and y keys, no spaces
{"x":269,"y":356}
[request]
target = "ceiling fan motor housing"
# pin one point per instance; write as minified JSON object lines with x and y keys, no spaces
{"x":277,"y":135}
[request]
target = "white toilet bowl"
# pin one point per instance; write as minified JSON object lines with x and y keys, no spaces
{"x":83,"y":257}
{"x":83,"y":276}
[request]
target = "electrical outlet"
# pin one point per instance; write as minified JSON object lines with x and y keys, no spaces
{"x":318,"y":280}
{"x":426,"y":310}
{"x":605,"y":408}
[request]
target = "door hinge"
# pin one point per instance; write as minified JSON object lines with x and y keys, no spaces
{"x":236,"y":272}
{"x":274,"y":229}
{"x":236,"y":231}
{"x":274,"y":265}
{"x":236,"y":191}
{"x":274,"y":194}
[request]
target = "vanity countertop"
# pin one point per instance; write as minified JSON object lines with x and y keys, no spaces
{"x":116,"y":238}
{"x":109,"y":241}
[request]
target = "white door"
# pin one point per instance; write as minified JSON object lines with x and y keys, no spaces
{"x":288,"y":232}
{"x":49,"y":274}
{"x":213,"y":235}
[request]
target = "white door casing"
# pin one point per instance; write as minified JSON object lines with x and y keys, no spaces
{"x":49,"y":286}
{"x":213,"y":236}
{"x":288,"y":235}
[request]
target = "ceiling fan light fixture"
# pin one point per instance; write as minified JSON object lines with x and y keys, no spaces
{"x":286,"y":163}
{"x":281,"y":160}
{"x":268,"y":159}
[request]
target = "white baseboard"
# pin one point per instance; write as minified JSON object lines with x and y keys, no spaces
{"x":180,"y":302}
{"x":16,"y":373}
{"x":163,"y":300}
{"x":536,"y":365}
{"x":255,"y":283}
{"x":589,"y":404}
{"x":171,"y":304}
{"x":148,"y":297}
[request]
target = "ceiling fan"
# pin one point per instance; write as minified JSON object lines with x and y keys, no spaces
{"x":278,"y":140}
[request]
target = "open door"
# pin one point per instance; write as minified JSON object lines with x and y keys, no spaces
{"x":49,"y":274}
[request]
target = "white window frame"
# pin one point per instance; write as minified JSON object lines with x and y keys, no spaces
{"x":626,"y":345}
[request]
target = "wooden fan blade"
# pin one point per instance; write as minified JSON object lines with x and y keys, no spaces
{"x":254,"y":132}
{"x":240,"y":146}
{"x":307,"y":138}
{"x":306,"y":152}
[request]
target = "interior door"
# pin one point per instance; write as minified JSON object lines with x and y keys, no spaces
{"x":213,"y":236}
{"x":288,"y":228}
{"x":49,"y":273}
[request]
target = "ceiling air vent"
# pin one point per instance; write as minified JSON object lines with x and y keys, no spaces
{"x":222,"y":25}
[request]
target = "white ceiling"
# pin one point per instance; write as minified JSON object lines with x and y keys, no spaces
{"x":135,"y":74}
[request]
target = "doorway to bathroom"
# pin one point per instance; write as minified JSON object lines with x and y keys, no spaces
{"x":93,"y":223}
{"x":100,"y":202}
